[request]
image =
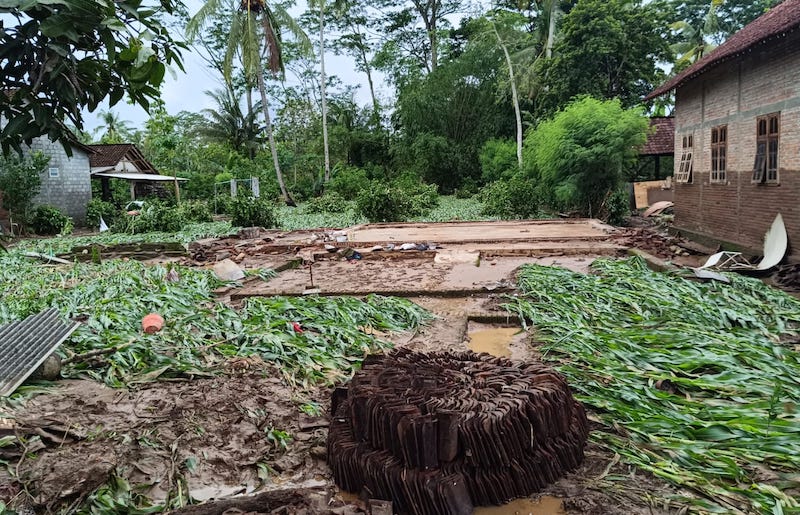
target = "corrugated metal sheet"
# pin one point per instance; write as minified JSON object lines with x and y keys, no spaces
{"x":26,"y":344}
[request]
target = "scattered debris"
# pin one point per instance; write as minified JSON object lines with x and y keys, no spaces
{"x":227,"y":270}
{"x":25,"y":345}
{"x":152,"y":323}
{"x":658,"y":208}
{"x":710,"y":275}
{"x":46,"y":258}
{"x":775,"y":246}
{"x":456,"y":256}
{"x":788,"y":277}
{"x":139,"y":251}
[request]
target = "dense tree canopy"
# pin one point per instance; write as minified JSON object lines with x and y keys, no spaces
{"x":454,"y":101}
{"x":607,"y":49}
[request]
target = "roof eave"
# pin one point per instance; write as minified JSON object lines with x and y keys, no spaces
{"x":678,"y":81}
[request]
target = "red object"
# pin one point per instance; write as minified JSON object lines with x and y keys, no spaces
{"x":152,"y":323}
{"x":297,"y":328}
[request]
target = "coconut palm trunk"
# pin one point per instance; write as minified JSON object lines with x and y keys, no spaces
{"x":324,"y":102}
{"x":262,"y":88}
{"x":514,"y":94}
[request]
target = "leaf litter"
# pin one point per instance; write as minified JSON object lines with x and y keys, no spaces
{"x":157,"y":439}
{"x":693,"y":382}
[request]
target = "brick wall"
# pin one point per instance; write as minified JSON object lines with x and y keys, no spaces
{"x":72,"y":189}
{"x":735,"y":94}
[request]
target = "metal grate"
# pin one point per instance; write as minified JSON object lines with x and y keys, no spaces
{"x":25,"y":345}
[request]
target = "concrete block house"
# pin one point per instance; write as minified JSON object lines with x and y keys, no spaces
{"x":737,"y":134}
{"x":66,"y":182}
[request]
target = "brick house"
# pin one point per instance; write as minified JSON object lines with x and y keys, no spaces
{"x":66,"y":182}
{"x":737,"y":134}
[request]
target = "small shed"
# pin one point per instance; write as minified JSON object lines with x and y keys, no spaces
{"x":125,"y":161}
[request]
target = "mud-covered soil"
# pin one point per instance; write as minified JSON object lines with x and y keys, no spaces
{"x":209,"y":437}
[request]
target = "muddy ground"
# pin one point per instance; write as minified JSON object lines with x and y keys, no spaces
{"x":249,"y":432}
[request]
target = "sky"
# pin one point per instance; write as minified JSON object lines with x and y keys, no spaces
{"x":185,"y":91}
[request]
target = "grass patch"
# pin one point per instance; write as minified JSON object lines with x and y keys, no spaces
{"x":691,"y":381}
{"x":297,"y":218}
{"x":452,"y":209}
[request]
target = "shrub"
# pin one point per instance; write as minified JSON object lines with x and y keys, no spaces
{"x":222,"y":204}
{"x":252,"y":212}
{"x":498,"y":159}
{"x":330,"y":202}
{"x":514,"y":198}
{"x":20,"y":182}
{"x":384,"y":203}
{"x":194,"y":211}
{"x":617,"y":207}
{"x":423,"y":197}
{"x":49,"y":220}
{"x":97,"y":208}
{"x":469,"y":188}
{"x":348,"y":181}
{"x":582,"y":154}
{"x":154,"y":216}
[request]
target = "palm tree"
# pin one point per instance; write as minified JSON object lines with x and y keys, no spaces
{"x":227,"y":122}
{"x":116,"y":130}
{"x":254,"y":34}
{"x":694,"y":44}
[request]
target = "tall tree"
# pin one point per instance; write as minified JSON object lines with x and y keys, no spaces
{"x":505,"y":31}
{"x":418,"y":18}
{"x":607,"y":49}
{"x":353,"y":24}
{"x":228,"y":123}
{"x":61,"y":57}
{"x":695,"y":40}
{"x":321,"y":6}
{"x":255,"y":34}
{"x":446,"y":116}
{"x":729,"y":16}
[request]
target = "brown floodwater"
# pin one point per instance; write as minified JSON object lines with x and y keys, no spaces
{"x":495,"y":341}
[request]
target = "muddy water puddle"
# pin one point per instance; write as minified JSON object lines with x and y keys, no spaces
{"x":543,"y":506}
{"x":496,"y":341}
{"x":499,"y":340}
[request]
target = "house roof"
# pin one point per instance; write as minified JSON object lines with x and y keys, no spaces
{"x":662,"y":140}
{"x":111,"y":154}
{"x":147,"y":177}
{"x":775,"y":24}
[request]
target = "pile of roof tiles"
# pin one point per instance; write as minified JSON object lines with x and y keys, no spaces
{"x":440,"y":433}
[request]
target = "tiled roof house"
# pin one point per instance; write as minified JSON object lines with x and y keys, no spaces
{"x":737,"y":134}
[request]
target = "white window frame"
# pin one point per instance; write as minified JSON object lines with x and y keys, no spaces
{"x":684,"y":174}
{"x":51,"y":174}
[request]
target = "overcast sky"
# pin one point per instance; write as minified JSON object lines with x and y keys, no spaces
{"x":185,"y":91}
